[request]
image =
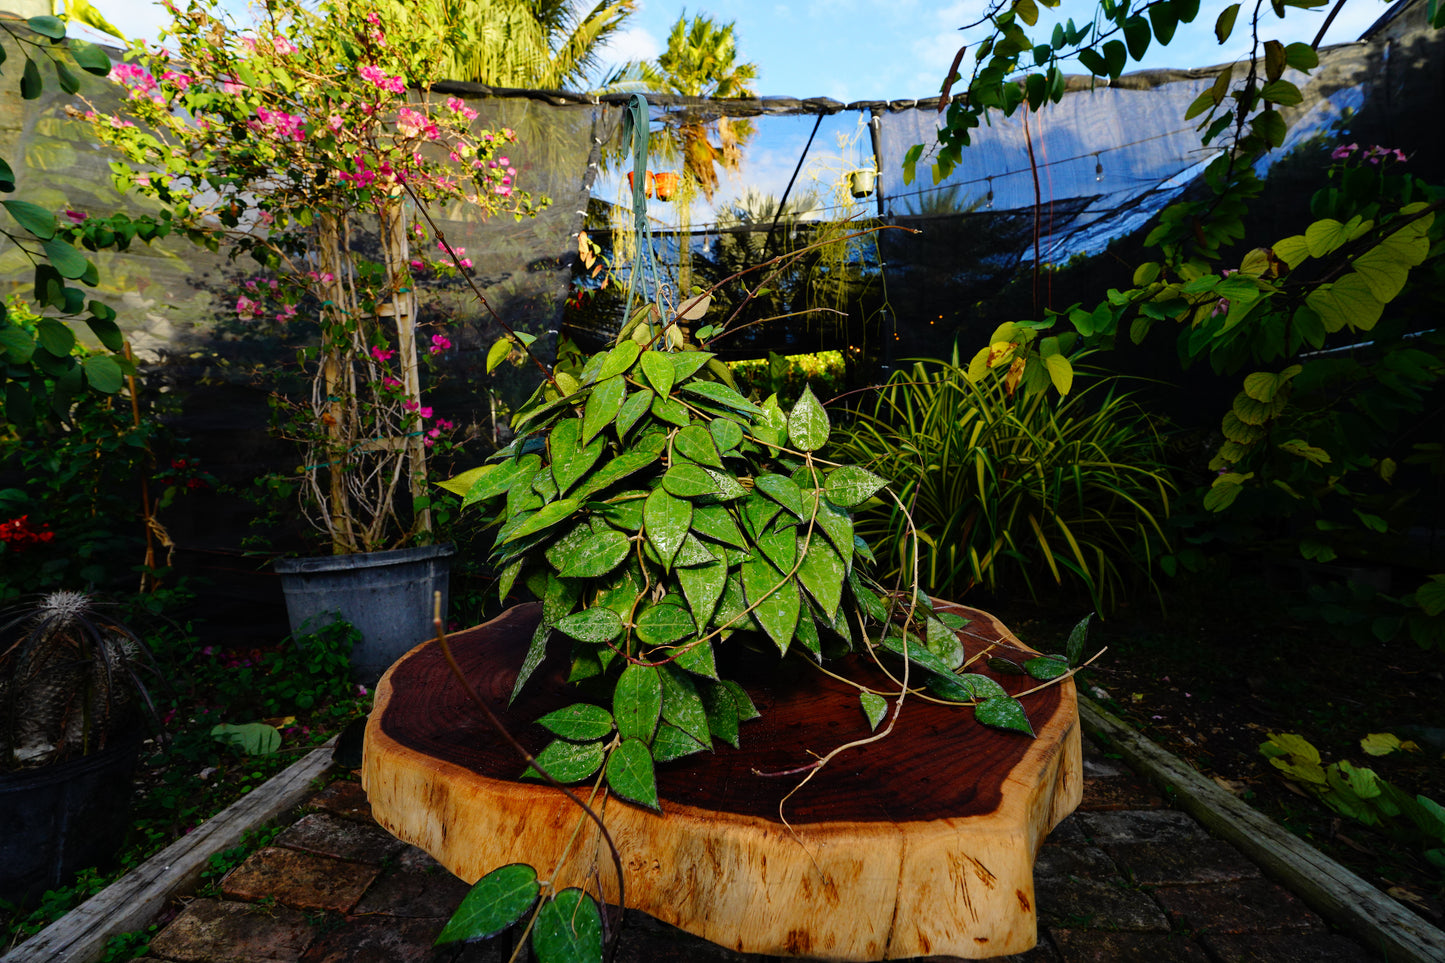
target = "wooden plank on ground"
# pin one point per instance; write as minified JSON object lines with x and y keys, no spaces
{"x":1330,"y":889}
{"x":132,"y":901}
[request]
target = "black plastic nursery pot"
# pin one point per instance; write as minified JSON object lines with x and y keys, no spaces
{"x":387,"y":596}
{"x":59,"y":819}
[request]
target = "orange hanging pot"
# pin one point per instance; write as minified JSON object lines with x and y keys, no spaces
{"x":647,"y":184}
{"x":665,"y":182}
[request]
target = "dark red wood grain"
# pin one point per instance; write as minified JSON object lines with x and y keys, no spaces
{"x":938,"y":762}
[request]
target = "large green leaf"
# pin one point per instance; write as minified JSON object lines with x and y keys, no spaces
{"x":1348,"y":301}
{"x":685,"y":364}
{"x":720,"y":394}
{"x":1004,"y":712}
{"x":597,"y":555}
{"x":570,"y":459}
{"x":850,"y":485}
{"x":695,"y":442}
{"x":602,"y":406}
{"x":779,"y":545}
{"x":34,"y":218}
{"x":568,"y":929}
{"x":726,"y":434}
{"x":545,"y":517}
{"x":784,"y":491}
{"x":55,"y":336}
{"x":722,"y":712}
{"x":689,"y":481}
{"x":106,"y":331}
{"x":821,"y":571}
{"x":664,"y":623}
{"x":659,"y":371}
{"x":696,"y":657}
{"x":672,"y":743}
{"x":716,"y":522}
{"x":597,"y":624}
{"x":644,"y":455}
{"x":808,"y":423}
{"x":103,"y":373}
{"x":777,"y":601}
{"x":671,"y":411}
{"x":837,"y":524}
{"x":579,"y":723}
{"x":91,"y":58}
{"x":568,"y":761}
{"x":728,"y":487}
{"x":757,"y":512}
{"x":666,"y":520}
{"x":631,"y":774}
{"x":681,"y":705}
{"x":633,"y":408}
{"x":637,"y":701}
{"x":494,"y":480}
{"x":67,"y":260}
{"x":619,"y":359}
{"x":495,"y":902}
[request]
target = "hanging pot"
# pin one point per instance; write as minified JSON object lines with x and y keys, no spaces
{"x":665,"y":183}
{"x":647,"y":185}
{"x":861,"y":182}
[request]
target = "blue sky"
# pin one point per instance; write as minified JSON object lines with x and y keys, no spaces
{"x":867,"y":50}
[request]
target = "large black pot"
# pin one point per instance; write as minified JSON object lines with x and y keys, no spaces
{"x":58,"y":819}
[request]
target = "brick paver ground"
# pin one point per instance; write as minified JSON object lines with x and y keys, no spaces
{"x":1123,"y":880}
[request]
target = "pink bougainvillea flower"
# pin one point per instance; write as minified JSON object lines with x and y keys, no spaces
{"x":459,"y":106}
{"x":375,"y":75}
{"x":416,"y":265}
{"x":390,"y":383}
{"x":76,"y":216}
{"x":424,"y":412}
{"x":439,"y":343}
{"x":246,"y":309}
{"x":283,"y":46}
{"x":181,"y":81}
{"x":382,"y":354}
{"x":414,"y":124}
{"x":1343,"y":151}
{"x":410,"y":405}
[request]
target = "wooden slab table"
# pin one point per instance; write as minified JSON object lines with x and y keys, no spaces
{"x":921,"y":844}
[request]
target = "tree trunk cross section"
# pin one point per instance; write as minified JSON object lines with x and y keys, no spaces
{"x":920,"y":844}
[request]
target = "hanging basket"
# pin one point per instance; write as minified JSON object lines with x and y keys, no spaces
{"x":665,"y":183}
{"x":647,"y":184}
{"x":860,"y":183}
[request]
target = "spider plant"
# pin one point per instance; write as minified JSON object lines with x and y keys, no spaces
{"x":1027,"y":489}
{"x":70,"y":680}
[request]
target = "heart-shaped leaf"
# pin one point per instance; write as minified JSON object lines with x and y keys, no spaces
{"x":821,"y":571}
{"x":808,"y":423}
{"x":580,"y":723}
{"x":596,"y":555}
{"x":568,"y":762}
{"x":695,"y":443}
{"x":716,"y":522}
{"x":776,"y":601}
{"x":598,"y":625}
{"x":666,"y":520}
{"x":494,"y":902}
{"x":686,"y":480}
{"x":703,"y":587}
{"x":659,"y":371}
{"x":568,"y":929}
{"x":685,"y":364}
{"x":780,"y":546}
{"x":602,"y":407}
{"x":637,"y":701}
{"x":1004,"y":712}
{"x":631,"y":774}
{"x":619,"y":359}
{"x":664,"y":623}
{"x":784,"y":491}
{"x":849,"y":486}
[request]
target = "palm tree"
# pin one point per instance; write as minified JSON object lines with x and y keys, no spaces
{"x":549,"y":44}
{"x":701,"y":60}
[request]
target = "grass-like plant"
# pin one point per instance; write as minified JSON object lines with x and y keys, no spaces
{"x":1022,"y":489}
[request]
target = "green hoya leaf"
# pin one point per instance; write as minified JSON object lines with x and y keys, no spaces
{"x":659,"y":371}
{"x":637,"y":701}
{"x":681,"y":705}
{"x":495,"y":902}
{"x":252,"y":738}
{"x":741,"y":700}
{"x":567,"y":761}
{"x":672,"y":743}
{"x":943,"y":642}
{"x":1078,"y":635}
{"x":780,"y":547}
{"x":722,"y":712}
{"x":597,"y":555}
{"x":695,"y":443}
{"x":597,"y":625}
{"x":808,"y":422}
{"x":875,"y":707}
{"x":493,"y":480}
{"x":850,"y":486}
{"x":693,"y":553}
{"x":982,"y":687}
{"x":1046,"y":667}
{"x":664,"y":623}
{"x":545,"y":517}
{"x":776,"y":601}
{"x":103,"y":373}
{"x":685,"y":364}
{"x":602,"y":407}
{"x":784,"y":491}
{"x":1003,"y":712}
{"x":717,"y":523}
{"x":579,"y":723}
{"x":821,"y":571}
{"x":570,"y":460}
{"x":630,"y":461}
{"x":728,"y":487}
{"x":726,"y":434}
{"x":696,"y":657}
{"x":837,"y":524}
{"x":666,"y":520}
{"x":720,"y":394}
{"x":670,"y":410}
{"x":686,"y":480}
{"x":631,"y":774}
{"x":632,"y":409}
{"x":568,"y":929}
{"x":619,"y":359}
{"x":34,"y":218}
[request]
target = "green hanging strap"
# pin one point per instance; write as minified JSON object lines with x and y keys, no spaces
{"x":636,"y":122}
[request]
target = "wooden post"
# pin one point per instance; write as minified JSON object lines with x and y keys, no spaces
{"x":396,"y":246}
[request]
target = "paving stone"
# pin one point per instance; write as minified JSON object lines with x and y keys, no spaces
{"x":1286,"y":948}
{"x":1101,"y":904}
{"x":1044,"y":952}
{"x":1141,"y":826}
{"x":1182,"y":861}
{"x":327,"y":834}
{"x":1069,"y":832}
{"x":1062,"y":860}
{"x":213,"y":931}
{"x":1242,"y":906}
{"x":298,"y":879}
{"x":416,"y":886}
{"x":1093,"y":946}
{"x":388,"y":941}
{"x":344,"y":798}
{"x":1107,"y":795}
{"x":1096,"y":766}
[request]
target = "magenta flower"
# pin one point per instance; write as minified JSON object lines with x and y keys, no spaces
{"x":382,"y":354}
{"x":375,"y":75}
{"x":76,"y":216}
{"x":410,"y":405}
{"x":390,"y":383}
{"x":439,"y":343}
{"x":246,"y":309}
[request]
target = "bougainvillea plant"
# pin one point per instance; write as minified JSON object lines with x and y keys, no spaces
{"x":290,"y":142}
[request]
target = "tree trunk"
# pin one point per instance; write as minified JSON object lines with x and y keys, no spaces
{"x":920,"y":844}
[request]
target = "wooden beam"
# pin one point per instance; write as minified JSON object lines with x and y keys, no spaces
{"x":1330,"y":889}
{"x":132,"y":901}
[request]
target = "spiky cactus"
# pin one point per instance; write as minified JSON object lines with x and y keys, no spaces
{"x":69,"y":680}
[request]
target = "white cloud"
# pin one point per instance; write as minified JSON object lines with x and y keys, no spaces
{"x":633,"y":43}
